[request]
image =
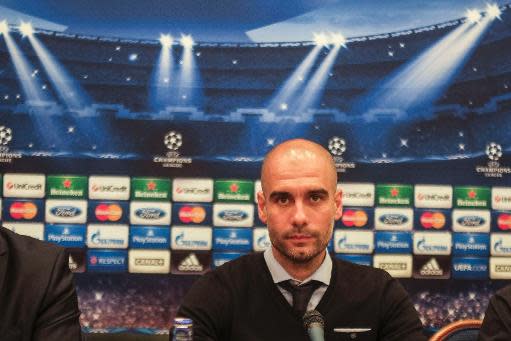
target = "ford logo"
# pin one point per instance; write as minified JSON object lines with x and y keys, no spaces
{"x":65,"y":211}
{"x":233,"y":215}
{"x":393,"y":219}
{"x":150,"y":213}
{"x":471,"y":221}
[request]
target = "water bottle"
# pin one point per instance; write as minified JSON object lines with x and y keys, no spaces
{"x":183,"y":329}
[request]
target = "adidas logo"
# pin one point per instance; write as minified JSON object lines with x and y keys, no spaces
{"x":190,"y":263}
{"x":431,"y":268}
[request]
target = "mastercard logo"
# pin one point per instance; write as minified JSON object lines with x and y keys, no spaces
{"x":192,"y":214}
{"x":504,"y":221}
{"x":434,"y":220}
{"x":23,"y":210}
{"x":352,"y":218}
{"x":108,"y":212}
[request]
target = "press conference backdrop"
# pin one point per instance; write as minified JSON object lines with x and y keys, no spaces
{"x":150,"y":182}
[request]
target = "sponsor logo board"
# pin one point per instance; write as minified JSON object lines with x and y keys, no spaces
{"x":66,"y":211}
{"x":34,"y":230}
{"x":234,"y":190}
{"x":149,"y":261}
{"x":190,"y":263}
{"x":394,"y":195}
{"x":66,"y":235}
{"x":500,"y":268}
{"x":220,"y":258}
{"x":233,"y":215}
{"x":108,"y":211}
{"x":109,"y":187}
{"x":66,"y":187}
{"x":432,"y":243}
{"x":400,"y":219}
{"x":393,"y":242}
{"x":432,"y":219}
{"x":501,"y":198}
{"x":356,"y":218}
{"x":111,"y":236}
{"x":192,"y":214}
{"x":235,"y":239}
{"x":24,"y":185}
{"x":191,"y":238}
{"x":469,"y":268}
{"x":398,"y":266}
{"x":152,"y":189}
{"x":107,"y":260}
{"x":357,"y":194}
{"x":366,"y":260}
{"x":149,"y":237}
{"x":500,"y":244}
{"x":471,"y":244}
{"x":432,"y":267}
{"x":471,"y":197}
{"x":23,"y":210}
{"x":433,"y":196}
{"x":150,"y":213}
{"x":261,"y":239}
{"x":361,"y":242}
{"x":192,"y":190}
{"x":501,"y":221}
{"x":465,"y":220}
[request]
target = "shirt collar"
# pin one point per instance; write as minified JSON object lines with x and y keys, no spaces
{"x":279,"y":274}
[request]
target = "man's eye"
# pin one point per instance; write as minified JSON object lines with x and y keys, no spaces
{"x":315,"y":198}
{"x":283,"y":201}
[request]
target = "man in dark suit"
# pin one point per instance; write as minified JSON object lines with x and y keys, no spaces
{"x":38,"y":300}
{"x":265,"y":296}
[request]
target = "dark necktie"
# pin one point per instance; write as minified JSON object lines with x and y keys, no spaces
{"x":301,"y":294}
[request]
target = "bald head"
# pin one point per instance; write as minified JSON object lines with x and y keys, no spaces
{"x":298,"y":154}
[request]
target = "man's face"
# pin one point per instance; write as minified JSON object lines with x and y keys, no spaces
{"x":299,"y":205}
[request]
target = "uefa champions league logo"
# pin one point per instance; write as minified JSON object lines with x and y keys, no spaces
{"x":494,"y":151}
{"x":173,"y":140}
{"x":5,"y":135}
{"x":336,"y":146}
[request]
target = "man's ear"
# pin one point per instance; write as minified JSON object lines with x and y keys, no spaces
{"x":261,"y":207}
{"x":338,"y":204}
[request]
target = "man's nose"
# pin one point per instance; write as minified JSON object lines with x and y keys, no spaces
{"x":300,"y":215}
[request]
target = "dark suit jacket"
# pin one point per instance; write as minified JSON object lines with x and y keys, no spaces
{"x":37,"y":296}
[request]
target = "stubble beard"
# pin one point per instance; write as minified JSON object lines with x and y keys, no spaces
{"x":301,"y":256}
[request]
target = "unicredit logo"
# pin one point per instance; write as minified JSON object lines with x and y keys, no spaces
{"x":150,"y":213}
{"x":393,"y":219}
{"x":434,"y":197}
{"x":233,"y":215}
{"x":192,"y":190}
{"x":65,"y":211}
{"x":24,"y":186}
{"x":109,"y":188}
{"x":471,"y":221}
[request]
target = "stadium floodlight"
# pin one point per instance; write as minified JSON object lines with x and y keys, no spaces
{"x":4,"y":27}
{"x":187,"y":41}
{"x":473,"y":16}
{"x":338,"y":39}
{"x":166,"y":40}
{"x":493,"y":11}
{"x":320,"y":39}
{"x":26,"y":29}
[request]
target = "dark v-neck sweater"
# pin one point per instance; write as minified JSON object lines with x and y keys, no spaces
{"x":239,"y":301}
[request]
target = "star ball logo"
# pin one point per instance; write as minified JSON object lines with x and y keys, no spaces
{"x":173,"y":140}
{"x":337,"y":147}
{"x":494,"y":151}
{"x":5,"y":135}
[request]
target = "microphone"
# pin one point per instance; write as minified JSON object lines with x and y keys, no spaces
{"x":314,"y":323}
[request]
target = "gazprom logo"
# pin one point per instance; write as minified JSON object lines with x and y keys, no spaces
{"x":353,"y":241}
{"x":191,"y":238}
{"x":501,"y":244}
{"x":432,"y":243}
{"x":261,"y":239}
{"x":107,"y":236}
